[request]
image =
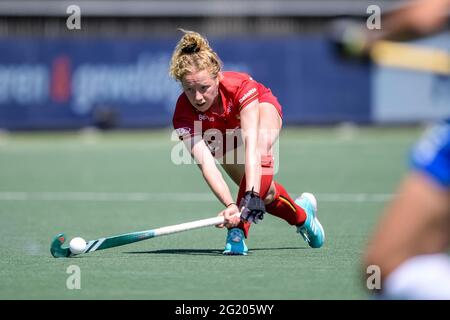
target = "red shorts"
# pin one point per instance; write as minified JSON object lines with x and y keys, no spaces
{"x":268,"y":97}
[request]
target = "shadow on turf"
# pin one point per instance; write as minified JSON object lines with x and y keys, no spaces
{"x":213,"y":252}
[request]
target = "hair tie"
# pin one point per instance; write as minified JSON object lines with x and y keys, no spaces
{"x":192,"y":48}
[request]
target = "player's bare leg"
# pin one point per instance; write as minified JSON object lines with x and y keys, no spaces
{"x":301,"y":212}
{"x":270,"y":126}
{"x":416,"y":223}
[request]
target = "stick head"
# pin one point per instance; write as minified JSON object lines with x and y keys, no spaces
{"x":56,"y":248}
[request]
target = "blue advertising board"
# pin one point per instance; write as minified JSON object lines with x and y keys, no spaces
{"x":73,"y":83}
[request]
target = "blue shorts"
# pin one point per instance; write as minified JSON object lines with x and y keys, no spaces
{"x":431,"y":155}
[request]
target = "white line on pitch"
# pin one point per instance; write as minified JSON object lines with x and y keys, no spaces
{"x":176,"y":196}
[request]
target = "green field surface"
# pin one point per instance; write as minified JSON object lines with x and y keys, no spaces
{"x":101,"y":184}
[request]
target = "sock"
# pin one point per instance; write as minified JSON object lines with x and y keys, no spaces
{"x":285,"y":208}
{"x":266,"y":181}
{"x":425,"y":277}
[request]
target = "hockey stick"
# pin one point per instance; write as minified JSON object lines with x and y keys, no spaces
{"x":58,"y":251}
{"x":412,"y":57}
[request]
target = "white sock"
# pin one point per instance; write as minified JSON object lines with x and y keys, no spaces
{"x":425,"y":277}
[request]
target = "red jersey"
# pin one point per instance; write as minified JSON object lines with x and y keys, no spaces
{"x":236,"y":90}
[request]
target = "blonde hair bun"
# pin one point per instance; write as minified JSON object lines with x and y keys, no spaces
{"x":191,"y":54}
{"x":193,"y":42}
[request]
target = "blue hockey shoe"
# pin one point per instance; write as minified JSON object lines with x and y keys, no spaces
{"x":311,"y":230}
{"x":235,"y":243}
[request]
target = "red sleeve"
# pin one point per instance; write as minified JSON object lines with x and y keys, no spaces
{"x":183,"y":118}
{"x":247,"y":92}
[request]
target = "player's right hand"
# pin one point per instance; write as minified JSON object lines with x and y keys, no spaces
{"x":231,"y":215}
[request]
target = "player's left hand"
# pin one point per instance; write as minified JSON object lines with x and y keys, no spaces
{"x":252,"y":207}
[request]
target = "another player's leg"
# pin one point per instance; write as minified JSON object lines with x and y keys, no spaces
{"x":410,"y":240}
